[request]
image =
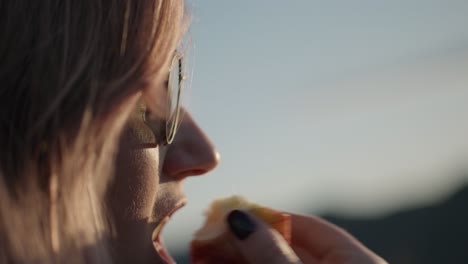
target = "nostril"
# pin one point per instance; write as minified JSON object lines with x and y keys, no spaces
{"x":196,"y":172}
{"x":189,"y":173}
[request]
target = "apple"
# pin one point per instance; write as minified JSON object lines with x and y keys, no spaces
{"x":212,"y":243}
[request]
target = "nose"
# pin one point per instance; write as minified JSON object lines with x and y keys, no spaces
{"x":191,"y":153}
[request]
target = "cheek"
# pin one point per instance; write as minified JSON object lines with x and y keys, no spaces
{"x":135,"y":183}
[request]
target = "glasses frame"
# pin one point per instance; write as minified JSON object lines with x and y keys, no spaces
{"x":172,"y":127}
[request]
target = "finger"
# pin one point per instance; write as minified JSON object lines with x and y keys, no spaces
{"x":257,"y":242}
{"x":319,"y":237}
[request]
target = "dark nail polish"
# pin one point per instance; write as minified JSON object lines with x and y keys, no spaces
{"x":240,"y":224}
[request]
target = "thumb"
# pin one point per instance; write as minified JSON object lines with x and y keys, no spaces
{"x":257,"y":242}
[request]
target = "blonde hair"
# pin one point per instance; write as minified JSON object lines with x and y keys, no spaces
{"x":70,"y":75}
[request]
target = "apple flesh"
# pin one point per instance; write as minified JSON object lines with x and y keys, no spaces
{"x":212,"y":243}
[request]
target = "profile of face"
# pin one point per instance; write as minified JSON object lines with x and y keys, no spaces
{"x":147,"y":186}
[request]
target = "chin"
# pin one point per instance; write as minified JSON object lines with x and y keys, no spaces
{"x":134,"y":243}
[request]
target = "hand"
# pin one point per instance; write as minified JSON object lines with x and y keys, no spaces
{"x":314,"y":241}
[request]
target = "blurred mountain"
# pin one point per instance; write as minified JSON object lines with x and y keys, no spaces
{"x":433,"y":234}
{"x":427,"y":235}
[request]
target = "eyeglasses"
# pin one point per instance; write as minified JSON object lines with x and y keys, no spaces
{"x":165,"y":128}
{"x":176,"y":81}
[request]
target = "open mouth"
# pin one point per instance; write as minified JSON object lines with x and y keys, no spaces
{"x":157,"y":235}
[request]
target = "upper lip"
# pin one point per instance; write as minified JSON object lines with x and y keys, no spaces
{"x":179,"y":204}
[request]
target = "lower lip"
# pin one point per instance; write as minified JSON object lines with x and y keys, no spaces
{"x":162,"y":250}
{"x":158,"y":241}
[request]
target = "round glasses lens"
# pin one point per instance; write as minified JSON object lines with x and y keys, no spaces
{"x":176,"y":77}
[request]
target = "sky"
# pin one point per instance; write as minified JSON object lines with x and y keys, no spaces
{"x":358,"y":107}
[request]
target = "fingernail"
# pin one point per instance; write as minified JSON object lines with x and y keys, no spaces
{"x":240,"y":224}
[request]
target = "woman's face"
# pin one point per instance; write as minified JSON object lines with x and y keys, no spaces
{"x":147,"y":186}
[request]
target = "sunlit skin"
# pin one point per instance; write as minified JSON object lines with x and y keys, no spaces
{"x":148,"y":182}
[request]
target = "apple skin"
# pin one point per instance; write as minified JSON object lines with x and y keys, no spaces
{"x":221,"y":249}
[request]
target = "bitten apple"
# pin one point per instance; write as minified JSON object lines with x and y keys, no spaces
{"x":213,"y":244}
